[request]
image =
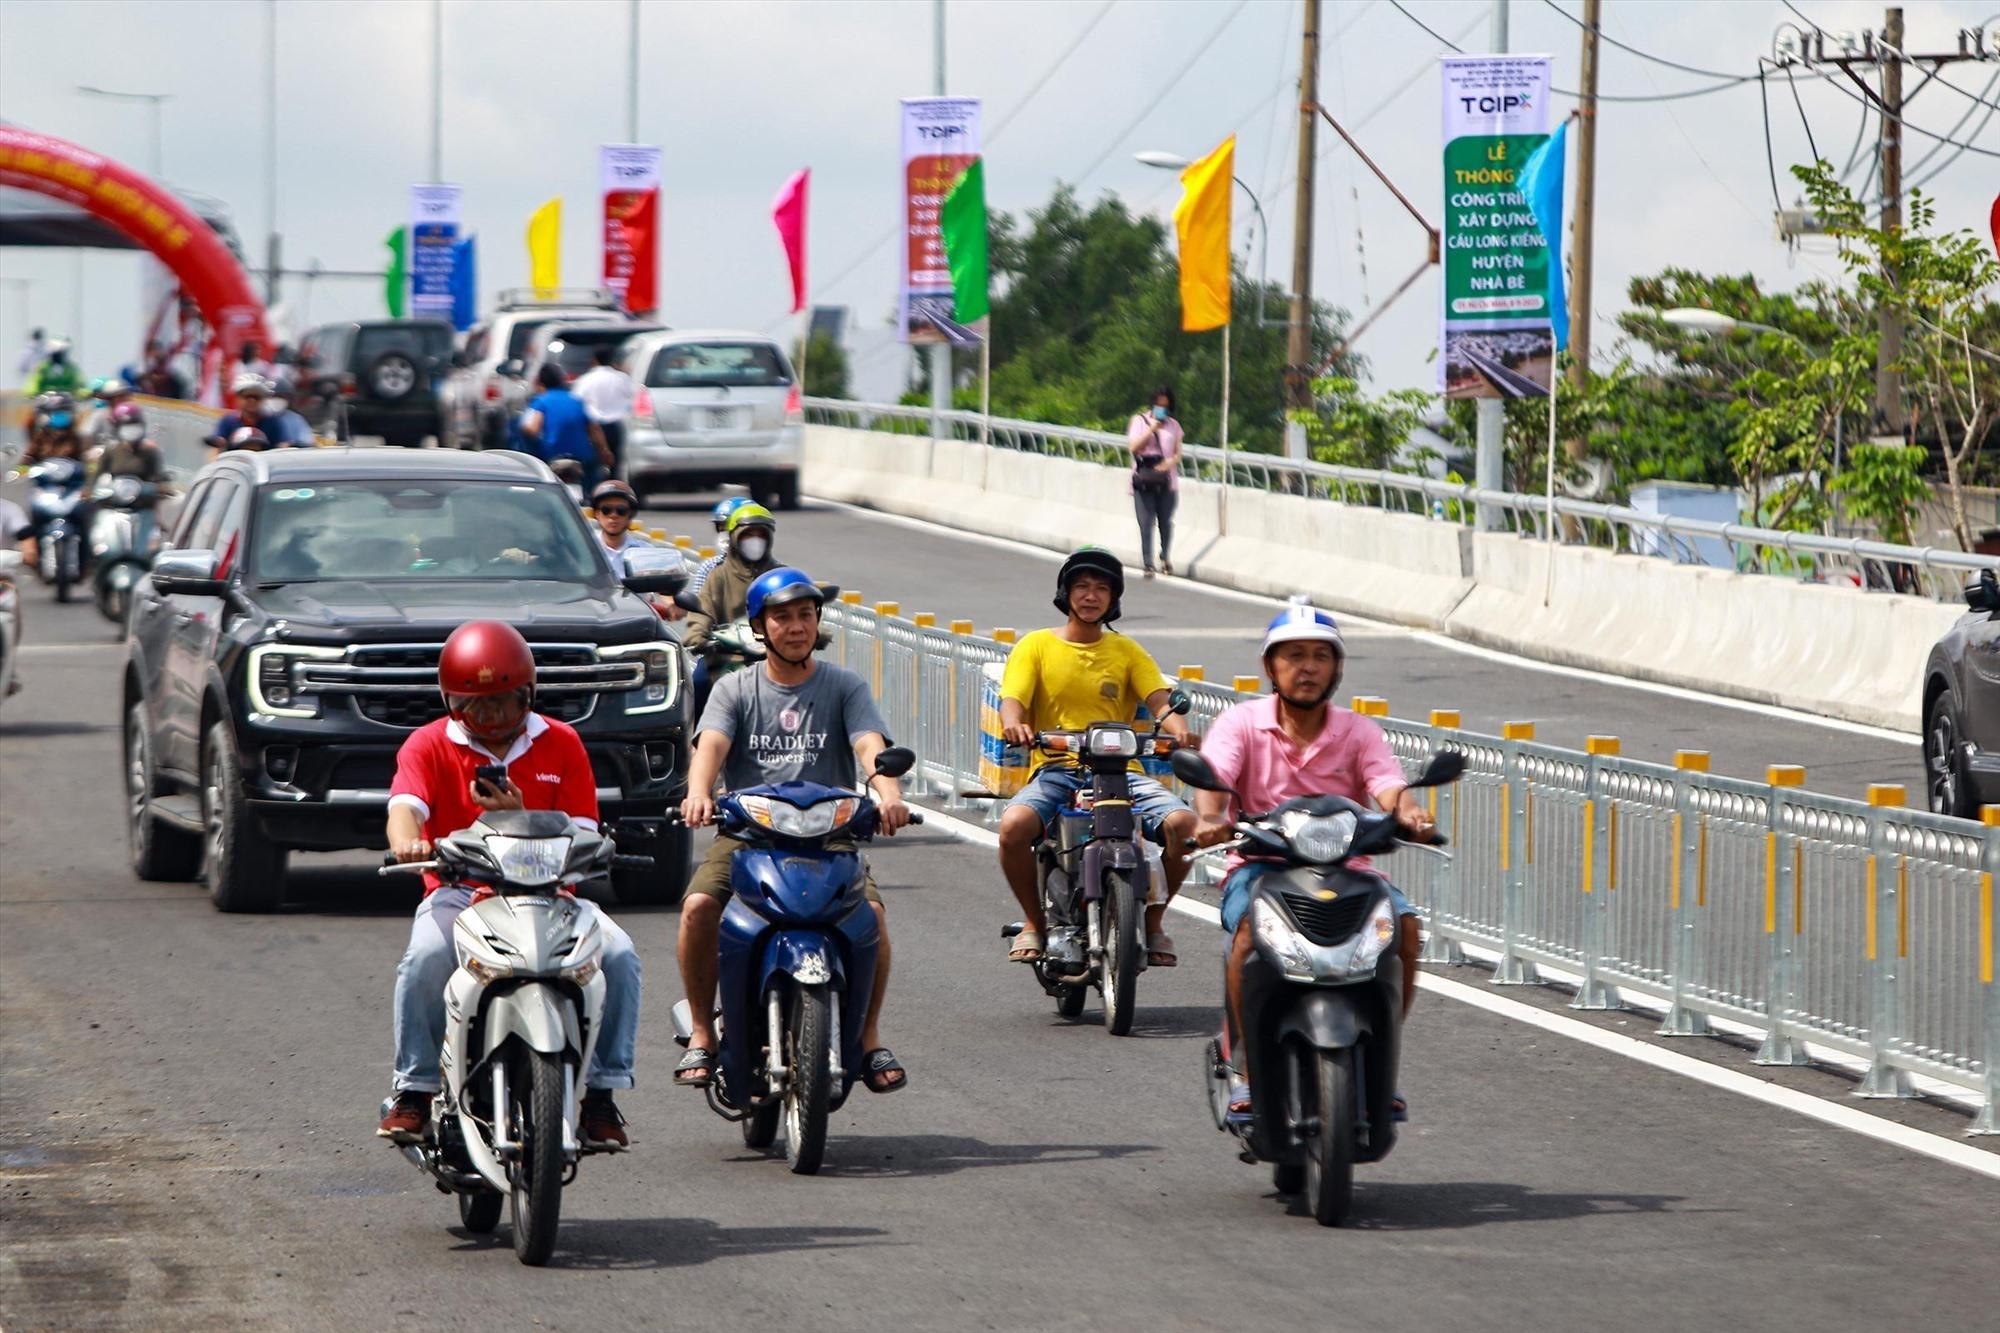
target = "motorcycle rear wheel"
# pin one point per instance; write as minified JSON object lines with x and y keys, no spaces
{"x":479,"y":1213}
{"x":1328,"y":1076}
{"x":1118,"y":971}
{"x":65,"y":575}
{"x":535,"y":1202}
{"x":808,"y":1086}
{"x":760,"y":1128}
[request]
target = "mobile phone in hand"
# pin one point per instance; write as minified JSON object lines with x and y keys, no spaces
{"x":491,"y":776}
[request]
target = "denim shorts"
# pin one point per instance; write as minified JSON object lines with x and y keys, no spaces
{"x":1237,"y":888}
{"x":1049,"y":792}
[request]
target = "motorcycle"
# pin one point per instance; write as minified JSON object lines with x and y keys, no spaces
{"x":522,"y":1014}
{"x":58,"y":484}
{"x":731,"y":646}
{"x":1322,"y":997}
{"x":124,"y":536}
{"x":797,"y":961}
{"x":1093,"y":876}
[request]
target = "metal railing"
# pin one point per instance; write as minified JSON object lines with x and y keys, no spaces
{"x":1924,"y":571}
{"x":1861,"y":930}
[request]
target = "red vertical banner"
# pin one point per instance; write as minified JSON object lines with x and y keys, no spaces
{"x":631,"y":180}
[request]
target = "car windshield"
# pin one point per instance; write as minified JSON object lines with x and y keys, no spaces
{"x":417,"y":340}
{"x":574,"y":350}
{"x":419,"y":529}
{"x":522,"y":334}
{"x":735,"y":364}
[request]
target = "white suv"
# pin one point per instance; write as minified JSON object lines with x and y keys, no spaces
{"x":496,"y":350}
{"x":715,"y":408}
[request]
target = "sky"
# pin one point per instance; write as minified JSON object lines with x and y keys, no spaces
{"x":740,"y":93}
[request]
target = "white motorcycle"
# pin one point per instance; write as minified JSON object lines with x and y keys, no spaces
{"x":521,"y":1019}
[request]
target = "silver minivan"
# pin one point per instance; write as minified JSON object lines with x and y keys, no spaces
{"x":714,"y":408}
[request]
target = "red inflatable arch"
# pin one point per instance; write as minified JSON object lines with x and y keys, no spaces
{"x":152,"y":216}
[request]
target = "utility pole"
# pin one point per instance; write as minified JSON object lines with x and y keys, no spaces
{"x":1583,"y":224}
{"x":437,"y":91}
{"x":632,"y":79}
{"x":1889,"y":335}
{"x":941,"y":351}
{"x":1298,"y":338}
{"x":273,"y":257}
{"x":1490,"y":438}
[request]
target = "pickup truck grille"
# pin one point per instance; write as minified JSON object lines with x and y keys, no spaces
{"x":396,"y":684}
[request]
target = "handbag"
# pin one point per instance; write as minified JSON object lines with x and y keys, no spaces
{"x":1146,"y":477}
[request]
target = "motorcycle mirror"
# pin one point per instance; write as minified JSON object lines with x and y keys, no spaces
{"x":1444,"y":768}
{"x":894,"y":761}
{"x":829,"y":591}
{"x":687,"y":601}
{"x":1191,"y":768}
{"x":655,"y":569}
{"x":1178,"y":701}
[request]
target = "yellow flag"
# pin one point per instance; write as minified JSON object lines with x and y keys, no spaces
{"x":545,"y":245}
{"x":1201,"y":220}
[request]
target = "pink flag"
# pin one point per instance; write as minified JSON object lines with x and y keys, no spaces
{"x":788,"y":212}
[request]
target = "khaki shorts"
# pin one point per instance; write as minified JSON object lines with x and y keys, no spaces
{"x":711,"y":877}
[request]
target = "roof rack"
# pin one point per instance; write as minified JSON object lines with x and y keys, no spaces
{"x":520,"y":298}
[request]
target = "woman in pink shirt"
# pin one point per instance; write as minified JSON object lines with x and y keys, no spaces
{"x":1154,"y":438}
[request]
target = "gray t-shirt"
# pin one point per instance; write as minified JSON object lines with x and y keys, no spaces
{"x":785,"y":733}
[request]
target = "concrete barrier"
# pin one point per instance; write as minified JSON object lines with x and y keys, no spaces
{"x":1824,"y":649}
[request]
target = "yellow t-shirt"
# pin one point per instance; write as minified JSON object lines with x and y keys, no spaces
{"x":1067,"y":686}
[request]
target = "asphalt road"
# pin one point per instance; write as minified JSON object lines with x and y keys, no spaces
{"x":187,"y":1104}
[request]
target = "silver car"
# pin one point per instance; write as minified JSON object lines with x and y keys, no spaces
{"x":715,"y":408}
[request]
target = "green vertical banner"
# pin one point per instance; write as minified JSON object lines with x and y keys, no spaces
{"x":396,"y":282}
{"x":962,"y":225}
{"x":1495,"y":334}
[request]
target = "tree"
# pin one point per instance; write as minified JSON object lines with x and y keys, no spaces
{"x":826,"y":367}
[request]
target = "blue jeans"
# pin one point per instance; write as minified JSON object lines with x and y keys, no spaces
{"x":1049,"y":792}
{"x":429,"y":962}
{"x":1236,"y":891}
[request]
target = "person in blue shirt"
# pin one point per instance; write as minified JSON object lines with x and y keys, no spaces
{"x":558,"y":427}
{"x":260,"y":410}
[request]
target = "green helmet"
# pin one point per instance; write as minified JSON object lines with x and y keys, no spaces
{"x":752,"y":516}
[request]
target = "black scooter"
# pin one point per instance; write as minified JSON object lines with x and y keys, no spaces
{"x":1322,"y":1004}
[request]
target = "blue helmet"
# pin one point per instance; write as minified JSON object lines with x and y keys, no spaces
{"x":1300,"y":621}
{"x":725,"y":508}
{"x":775,"y":587}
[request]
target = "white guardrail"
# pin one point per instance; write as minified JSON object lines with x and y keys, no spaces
{"x":1932,"y":572}
{"x":1861,"y":931}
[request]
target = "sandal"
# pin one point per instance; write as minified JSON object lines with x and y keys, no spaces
{"x":1026,"y":948}
{"x":700,"y":1062}
{"x":879,"y":1064}
{"x":1160,"y":951}
{"x":1239,"y":1100}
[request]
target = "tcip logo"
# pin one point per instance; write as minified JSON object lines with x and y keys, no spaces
{"x":1490,"y":105}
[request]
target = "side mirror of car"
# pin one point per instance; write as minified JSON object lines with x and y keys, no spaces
{"x":1196,"y":772}
{"x":894,"y":761}
{"x":1983,"y":593}
{"x":655,"y":569}
{"x":187,"y":574}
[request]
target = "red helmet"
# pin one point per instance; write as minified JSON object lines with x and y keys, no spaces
{"x":485,"y":657}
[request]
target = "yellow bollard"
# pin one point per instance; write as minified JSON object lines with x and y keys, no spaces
{"x":1371,"y":705}
{"x":684,"y":542}
{"x":1246,"y":684}
{"x":1600,"y":745}
{"x":1191,"y":673}
{"x":1517,"y":731}
{"x":1888,"y":793}
{"x":1446,"y":718}
{"x":706,"y":552}
{"x":1003,"y":636}
{"x":923,"y":620}
{"x":961,"y":627}
{"x":888,"y":609}
{"x":1785,"y":775}
{"x":1694,"y":761}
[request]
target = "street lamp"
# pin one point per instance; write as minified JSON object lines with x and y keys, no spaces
{"x":153,"y":100}
{"x":1700,"y":319}
{"x":1175,"y":162}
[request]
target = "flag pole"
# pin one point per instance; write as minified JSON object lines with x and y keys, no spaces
{"x":805,"y":346}
{"x":1222,"y":497}
{"x":1549,"y":521}
{"x":986,"y":384}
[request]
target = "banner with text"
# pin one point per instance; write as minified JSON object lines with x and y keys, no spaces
{"x":630,"y":175}
{"x":940,"y":140}
{"x":1494,"y":312}
{"x":433,"y":249}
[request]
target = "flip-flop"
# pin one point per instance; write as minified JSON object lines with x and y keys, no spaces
{"x":699,"y":1060}
{"x":880,"y":1063}
{"x":1239,"y":1101}
{"x":1160,"y":951}
{"x":1025,"y":947}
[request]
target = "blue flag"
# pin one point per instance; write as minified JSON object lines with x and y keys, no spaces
{"x":1541,"y":186}
{"x":464,"y":283}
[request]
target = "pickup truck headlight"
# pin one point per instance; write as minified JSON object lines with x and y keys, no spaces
{"x":273,"y":689}
{"x":662,"y":660}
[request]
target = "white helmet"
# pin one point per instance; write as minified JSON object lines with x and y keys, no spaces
{"x":1301,"y":622}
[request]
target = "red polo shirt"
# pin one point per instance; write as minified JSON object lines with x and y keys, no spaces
{"x":547,"y":762}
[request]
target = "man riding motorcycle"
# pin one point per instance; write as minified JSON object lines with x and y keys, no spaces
{"x":57,"y":373}
{"x":1295,"y":742}
{"x":752,"y":531}
{"x":1064,"y":679}
{"x":615,"y":505}
{"x":487,"y":676}
{"x":790,"y":719}
{"x":721,"y":514}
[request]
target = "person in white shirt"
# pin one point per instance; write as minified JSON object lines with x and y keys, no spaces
{"x":614,"y":505}
{"x":607,"y":393}
{"x":33,"y":353}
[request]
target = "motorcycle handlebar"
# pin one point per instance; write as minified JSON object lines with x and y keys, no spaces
{"x":407,"y":868}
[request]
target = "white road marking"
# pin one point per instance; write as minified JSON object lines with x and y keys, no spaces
{"x":1934,"y":1146}
{"x":1426,"y":637}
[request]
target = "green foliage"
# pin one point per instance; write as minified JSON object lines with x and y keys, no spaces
{"x":826,"y":367}
{"x":1883,"y":483}
{"x":1350,"y":430}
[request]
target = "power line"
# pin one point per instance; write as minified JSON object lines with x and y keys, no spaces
{"x":1935,"y":172}
{"x":1803,"y":118}
{"x":1167,"y":86}
{"x":1770,"y":157}
{"x":1904,"y":122}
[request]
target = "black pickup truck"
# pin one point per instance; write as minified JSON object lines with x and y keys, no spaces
{"x":286,"y":643}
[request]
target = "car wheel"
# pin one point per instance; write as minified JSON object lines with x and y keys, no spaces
{"x":160,"y":852}
{"x":785,"y":493}
{"x":1944,"y":778}
{"x":246,"y":871}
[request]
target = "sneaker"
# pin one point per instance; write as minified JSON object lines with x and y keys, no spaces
{"x":603,"y":1126}
{"x":409,"y":1115}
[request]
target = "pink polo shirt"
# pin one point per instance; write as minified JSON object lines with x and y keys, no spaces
{"x":1250,"y":751}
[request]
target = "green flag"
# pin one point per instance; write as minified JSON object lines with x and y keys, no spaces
{"x":962,"y":226}
{"x":395,"y":283}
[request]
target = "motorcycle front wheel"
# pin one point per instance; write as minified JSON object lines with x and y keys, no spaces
{"x":808,"y":1087}
{"x":535,"y":1202}
{"x":1118,"y":970}
{"x":1327,"y":1079}
{"x":65,"y":570}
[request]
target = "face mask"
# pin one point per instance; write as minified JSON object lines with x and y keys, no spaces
{"x":753,"y":549}
{"x":271,"y":407}
{"x":1159,"y":413}
{"x":132,"y":434}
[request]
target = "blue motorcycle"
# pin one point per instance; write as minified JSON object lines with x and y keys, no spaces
{"x":58,"y":507}
{"x":797,"y":964}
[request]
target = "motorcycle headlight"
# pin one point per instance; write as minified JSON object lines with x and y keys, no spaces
{"x":1286,"y":946}
{"x":812,"y":821}
{"x":1112,"y":743}
{"x":528,"y":860}
{"x":1376,"y":933}
{"x":585,"y":956}
{"x":1318,"y":838}
{"x":274,"y":686}
{"x":662,"y":661}
{"x":487,"y":957}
